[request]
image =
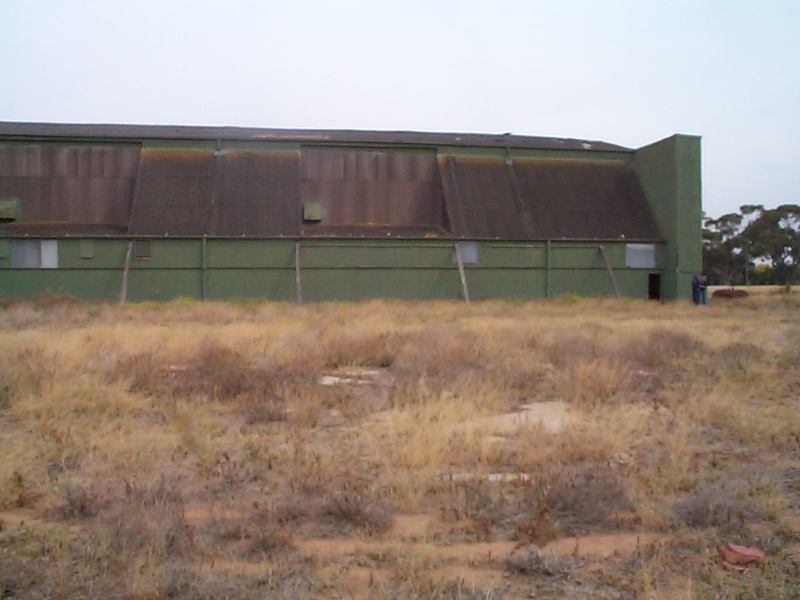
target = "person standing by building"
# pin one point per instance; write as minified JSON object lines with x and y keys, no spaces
{"x":703,"y":289}
{"x":695,"y":289}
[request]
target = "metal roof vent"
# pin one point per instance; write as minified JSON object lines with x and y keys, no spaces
{"x":312,"y":212}
{"x":9,"y":209}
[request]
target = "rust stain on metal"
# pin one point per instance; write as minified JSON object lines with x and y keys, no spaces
{"x":584,"y":199}
{"x":362,"y":188}
{"x":401,"y":188}
{"x":79,"y":185}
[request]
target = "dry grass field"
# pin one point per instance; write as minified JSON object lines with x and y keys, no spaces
{"x":559,"y":449}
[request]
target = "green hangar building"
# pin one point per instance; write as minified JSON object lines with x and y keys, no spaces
{"x":158,"y":212}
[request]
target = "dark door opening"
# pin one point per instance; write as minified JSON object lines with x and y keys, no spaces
{"x":654,"y":286}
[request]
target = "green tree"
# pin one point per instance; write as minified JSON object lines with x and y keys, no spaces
{"x":724,"y":257}
{"x":772,"y":236}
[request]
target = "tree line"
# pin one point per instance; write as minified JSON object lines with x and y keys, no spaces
{"x":754,"y":246}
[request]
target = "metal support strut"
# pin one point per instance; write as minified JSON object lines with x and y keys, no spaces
{"x":297,"y":282}
{"x":123,"y":294}
{"x":610,"y":271}
{"x":461,"y":273}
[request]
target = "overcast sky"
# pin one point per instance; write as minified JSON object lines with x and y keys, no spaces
{"x":628,"y":72}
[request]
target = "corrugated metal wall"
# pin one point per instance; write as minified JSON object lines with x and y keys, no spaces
{"x":480,"y":198}
{"x":217,"y":193}
{"x":584,"y":199}
{"x":359,"y":189}
{"x":96,"y":188}
{"x":257,"y":195}
{"x":69,"y":184}
{"x":174,"y":195}
{"x":331,"y":269}
{"x":545,"y":199}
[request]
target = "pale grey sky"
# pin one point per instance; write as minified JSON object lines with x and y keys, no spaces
{"x":628,"y":72}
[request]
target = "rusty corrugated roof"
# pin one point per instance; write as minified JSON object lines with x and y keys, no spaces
{"x":69,"y":186}
{"x":258,"y":195}
{"x":584,"y":199}
{"x":313,"y":136}
{"x":174,"y":193}
{"x":480,"y":198}
{"x":545,"y":199}
{"x":372,"y":189}
{"x":86,"y":183}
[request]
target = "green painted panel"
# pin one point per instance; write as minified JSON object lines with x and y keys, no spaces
{"x":353,"y":284}
{"x":255,"y":254}
{"x":506,"y":283}
{"x":376,"y":255}
{"x":273,"y":284}
{"x":633,"y":283}
{"x":107,"y":254}
{"x":170,"y":254}
{"x":669,"y":171}
{"x":617,"y":255}
{"x":577,"y":257}
{"x":689,"y":211}
{"x":511,"y":255}
{"x":87,"y":248}
{"x":164,"y":284}
{"x":331,"y":270}
{"x":581,"y":282}
{"x":5,"y":253}
{"x":32,"y":283}
{"x":661,"y":257}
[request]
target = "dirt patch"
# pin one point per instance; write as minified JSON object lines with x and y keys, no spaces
{"x":326,"y":549}
{"x":412,"y":526}
{"x":552,"y":417}
{"x":12,"y":519}
{"x":353,"y":581}
{"x":240,"y":567}
{"x":598,"y":546}
{"x":355,"y":376}
{"x":602,"y":546}
{"x":197,"y":513}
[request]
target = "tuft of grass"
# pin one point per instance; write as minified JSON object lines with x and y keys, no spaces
{"x":82,"y":500}
{"x":594,"y":381}
{"x":725,"y":504}
{"x":533,"y":563}
{"x":354,"y":509}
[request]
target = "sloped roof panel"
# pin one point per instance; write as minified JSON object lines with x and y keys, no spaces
{"x":584,"y":199}
{"x":363,"y":191}
{"x":84,"y":186}
{"x":258,"y":195}
{"x":392,"y":187}
{"x":174,"y":196}
{"x":481,"y":198}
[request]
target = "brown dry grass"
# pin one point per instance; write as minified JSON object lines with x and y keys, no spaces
{"x":189,"y":449}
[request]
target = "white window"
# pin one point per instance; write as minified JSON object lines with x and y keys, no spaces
{"x":49,"y":254}
{"x":468,"y":251}
{"x":34,"y":254}
{"x":640,"y":256}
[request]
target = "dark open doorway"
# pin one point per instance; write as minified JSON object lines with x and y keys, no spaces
{"x":654,"y":286}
